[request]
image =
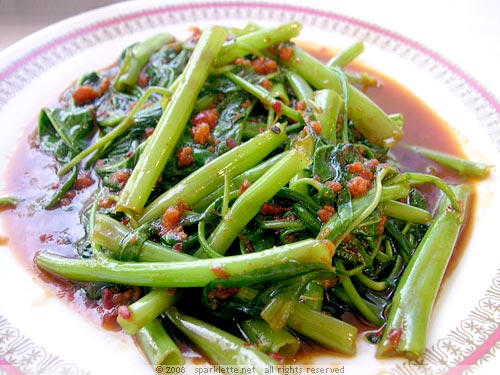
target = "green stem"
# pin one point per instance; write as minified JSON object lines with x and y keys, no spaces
{"x":136,"y":57}
{"x":354,"y":297}
{"x":326,"y":330}
{"x":419,"y":178}
{"x":172,"y":123}
{"x":329,"y":104}
{"x":368,"y":117}
{"x":158,"y":346}
{"x":250,"y":175}
{"x":466,"y":168}
{"x":260,"y":334}
{"x":196,"y":273}
{"x":257,"y":41}
{"x":221,"y":347}
{"x":264,"y":96}
{"x":250,"y":202}
{"x":125,"y":244}
{"x":406,"y":330}
{"x":403,"y":211}
{"x":134,"y":317}
{"x":210,"y":177}
{"x":347,"y":55}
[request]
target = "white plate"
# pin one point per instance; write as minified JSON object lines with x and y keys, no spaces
{"x":39,"y":333}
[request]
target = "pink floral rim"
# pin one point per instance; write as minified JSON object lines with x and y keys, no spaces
{"x":464,"y":348}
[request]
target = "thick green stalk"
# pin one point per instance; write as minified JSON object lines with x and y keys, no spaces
{"x":256,"y":41}
{"x":157,"y":345}
{"x":403,"y":211}
{"x":323,"y":329}
{"x":210,"y":177}
{"x":406,"y":330}
{"x":143,"y":311}
{"x":313,"y":296}
{"x":347,"y":55}
{"x":265,"y":97}
{"x":196,"y":273}
{"x":250,"y":175}
{"x":220,"y":347}
{"x":172,"y":123}
{"x":260,"y":334}
{"x":136,"y":57}
{"x":466,"y":168}
{"x":250,"y":202}
{"x":328,"y":104}
{"x":125,"y":244}
{"x":367,"y":116}
{"x":299,"y":86}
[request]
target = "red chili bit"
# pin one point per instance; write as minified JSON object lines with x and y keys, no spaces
{"x":195,"y":31}
{"x":395,"y":336}
{"x":272,"y":209}
{"x":106,"y":203}
{"x":247,"y":103}
{"x":267,"y":84}
{"x":381,"y":224}
{"x":301,"y":105}
{"x":148,"y":132}
{"x":277,"y":106}
{"x":326,"y":212}
{"x":124,"y":312}
{"x":209,"y":116}
{"x":85,"y":94}
{"x":334,"y":185}
{"x":358,"y":186}
{"x":201,"y":133}
{"x":143,"y":80}
{"x":242,"y":61}
{"x":277,"y":357}
{"x":84,"y":180}
{"x":120,"y":177}
{"x":372,"y":164}
{"x":220,"y":272}
{"x":285,"y":52}
{"x":104,"y":86}
{"x":246,"y":242}
{"x":172,"y":217}
{"x":244,"y":186}
{"x":264,"y":65}
{"x":46,"y":237}
{"x":178,"y":247}
{"x":231,"y":143}
{"x":316,"y":125}
{"x":185,"y":156}
{"x":355,"y":168}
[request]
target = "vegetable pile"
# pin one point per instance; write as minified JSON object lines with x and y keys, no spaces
{"x":245,"y":193}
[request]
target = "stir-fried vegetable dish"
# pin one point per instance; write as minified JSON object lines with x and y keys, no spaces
{"x":245,"y":199}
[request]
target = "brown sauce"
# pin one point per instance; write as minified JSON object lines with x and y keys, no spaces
{"x":31,"y":175}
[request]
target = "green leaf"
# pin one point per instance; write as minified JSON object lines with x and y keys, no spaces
{"x":65,"y":132}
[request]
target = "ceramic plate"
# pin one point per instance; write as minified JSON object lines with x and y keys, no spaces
{"x":41,"y":334}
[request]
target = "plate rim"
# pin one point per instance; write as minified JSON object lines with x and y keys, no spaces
{"x":23,"y":61}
